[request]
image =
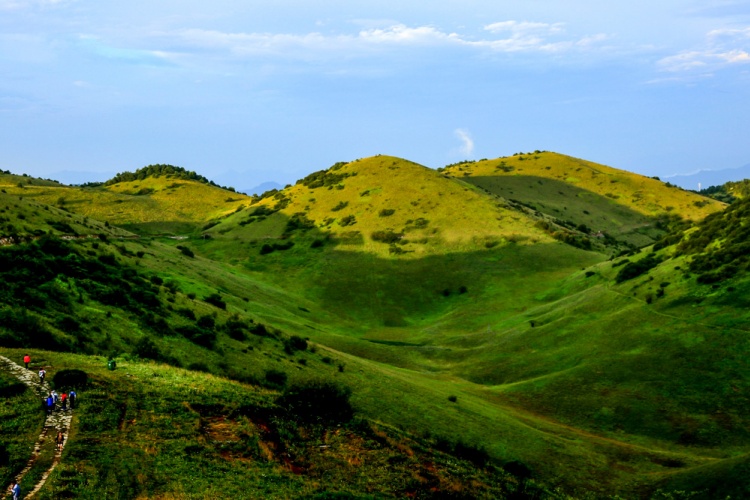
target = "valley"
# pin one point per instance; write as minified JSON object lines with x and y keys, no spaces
{"x":534,"y":326}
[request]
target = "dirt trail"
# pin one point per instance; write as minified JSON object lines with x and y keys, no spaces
{"x":56,"y":421}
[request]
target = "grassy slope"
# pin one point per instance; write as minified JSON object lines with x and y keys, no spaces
{"x":26,"y":218}
{"x":166,"y":205}
{"x":454,"y":216}
{"x":601,"y":197}
{"x":146,"y":430}
{"x":558,"y":396}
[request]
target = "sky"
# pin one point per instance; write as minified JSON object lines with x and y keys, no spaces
{"x":245,"y":92}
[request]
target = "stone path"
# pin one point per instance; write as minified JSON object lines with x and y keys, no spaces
{"x":56,"y":421}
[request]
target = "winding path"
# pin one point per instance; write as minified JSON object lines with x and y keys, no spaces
{"x":56,"y":421}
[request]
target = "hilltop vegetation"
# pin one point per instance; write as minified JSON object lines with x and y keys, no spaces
{"x":497,"y":335}
{"x":157,"y":199}
{"x":596,"y":198}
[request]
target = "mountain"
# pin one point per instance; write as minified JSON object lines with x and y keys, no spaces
{"x":262,"y":188}
{"x":172,"y":202}
{"x":704,"y":179}
{"x":491,"y":340}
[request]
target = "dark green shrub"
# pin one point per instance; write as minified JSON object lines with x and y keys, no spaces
{"x":388,"y":237}
{"x":199,"y":366}
{"x":266,"y":249}
{"x":186,"y":313}
{"x":207,"y":322}
{"x":145,"y":348}
{"x":260,"y":330}
{"x":635,"y":269}
{"x":386,"y":212}
{"x":186,"y":251}
{"x":71,"y":379}
{"x":349,"y":220}
{"x":318,"y":402}
{"x":275,"y":379}
{"x":295,"y":343}
{"x":215,"y":300}
{"x":340,"y":206}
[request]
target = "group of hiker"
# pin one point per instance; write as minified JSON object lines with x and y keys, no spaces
{"x":50,"y":402}
{"x":64,"y":399}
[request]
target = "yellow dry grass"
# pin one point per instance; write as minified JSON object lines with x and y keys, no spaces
{"x":645,"y":195}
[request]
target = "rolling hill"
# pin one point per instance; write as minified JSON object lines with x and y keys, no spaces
{"x":165,"y":203}
{"x":470,"y":317}
{"x":626,"y":205}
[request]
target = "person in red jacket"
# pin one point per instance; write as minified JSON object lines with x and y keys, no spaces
{"x":27,"y":360}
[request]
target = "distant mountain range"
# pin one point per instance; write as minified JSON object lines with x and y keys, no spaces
{"x":703,"y":179}
{"x":262,"y":188}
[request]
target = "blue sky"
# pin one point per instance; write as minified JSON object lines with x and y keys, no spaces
{"x":246,"y":92}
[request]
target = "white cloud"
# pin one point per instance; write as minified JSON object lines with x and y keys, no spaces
{"x":524,"y":27}
{"x":521,"y":36}
{"x":467,"y":143}
{"x":722,"y":48}
{"x":28,"y":4}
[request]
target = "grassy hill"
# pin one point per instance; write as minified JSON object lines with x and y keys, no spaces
{"x":384,"y":206}
{"x":22,"y":218}
{"x":474,"y":330}
{"x":628,"y":206}
{"x":152,"y":205}
{"x":153,"y":431}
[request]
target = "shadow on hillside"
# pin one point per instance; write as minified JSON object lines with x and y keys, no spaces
{"x":399,"y":291}
{"x":575,"y":205}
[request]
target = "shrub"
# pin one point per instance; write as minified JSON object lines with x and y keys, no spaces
{"x":71,"y":378}
{"x":186,"y":251}
{"x":340,"y":206}
{"x":215,"y":300}
{"x":635,"y":269}
{"x":349,"y":220}
{"x":207,"y":322}
{"x":318,"y":402}
{"x":386,"y":212}
{"x":275,"y":379}
{"x":388,"y":237}
{"x":145,"y":348}
{"x":260,"y":330}
{"x":199,"y":366}
{"x":295,"y":343}
{"x":186,"y":313}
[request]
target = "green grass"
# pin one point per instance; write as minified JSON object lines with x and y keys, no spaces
{"x":149,"y":206}
{"x":21,"y":418}
{"x":644,"y":195}
{"x":156,"y":431}
{"x":598,"y":387}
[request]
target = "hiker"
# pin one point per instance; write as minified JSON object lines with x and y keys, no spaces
{"x":15,"y":490}
{"x":72,"y":397}
{"x":60,"y":440}
{"x":64,"y":399}
{"x":55,"y":396}
{"x":50,"y":404}
{"x":42,"y":373}
{"x":27,"y":360}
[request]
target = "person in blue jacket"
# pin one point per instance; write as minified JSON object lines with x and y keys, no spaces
{"x":15,"y":490}
{"x":50,"y":404}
